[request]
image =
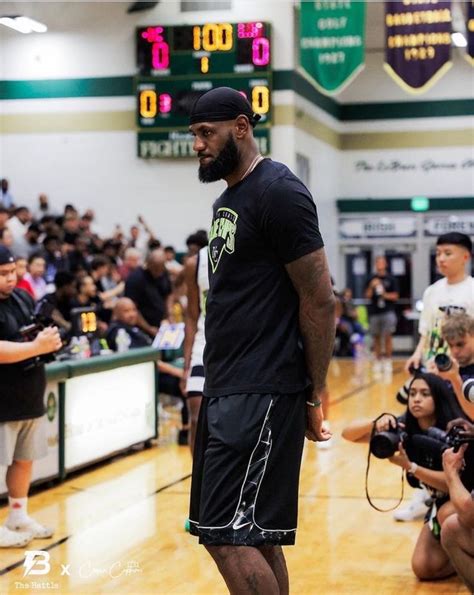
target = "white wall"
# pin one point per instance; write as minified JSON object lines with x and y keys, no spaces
{"x":100,"y":169}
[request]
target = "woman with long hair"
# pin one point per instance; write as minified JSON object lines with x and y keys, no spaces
{"x":430,"y":404}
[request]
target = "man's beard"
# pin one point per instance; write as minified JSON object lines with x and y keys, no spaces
{"x":223,"y":165}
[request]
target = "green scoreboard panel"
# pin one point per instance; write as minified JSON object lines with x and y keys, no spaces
{"x":177,"y":64}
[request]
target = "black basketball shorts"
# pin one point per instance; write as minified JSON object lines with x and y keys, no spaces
{"x":246,"y":469}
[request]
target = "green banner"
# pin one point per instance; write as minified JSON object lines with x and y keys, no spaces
{"x":174,"y":144}
{"x":332,"y":42}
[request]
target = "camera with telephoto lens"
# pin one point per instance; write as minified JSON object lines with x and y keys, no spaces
{"x":443,"y":362}
{"x":452,"y":439}
{"x":41,"y":318}
{"x":385,"y":444}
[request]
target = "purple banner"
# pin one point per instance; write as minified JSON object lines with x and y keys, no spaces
{"x":470,"y":31}
{"x":417,"y":42}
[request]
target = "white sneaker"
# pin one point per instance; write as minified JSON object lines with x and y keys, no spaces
{"x":387,"y":366}
{"x":377,"y":367}
{"x":325,"y":444}
{"x":415,"y":510}
{"x":14,"y":538}
{"x":35,"y":529}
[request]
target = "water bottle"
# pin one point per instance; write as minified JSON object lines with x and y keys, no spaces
{"x":122,"y":340}
{"x":84,"y":347}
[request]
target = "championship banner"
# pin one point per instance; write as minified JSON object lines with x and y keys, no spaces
{"x":470,"y":31}
{"x":332,"y":43}
{"x":418,"y":42}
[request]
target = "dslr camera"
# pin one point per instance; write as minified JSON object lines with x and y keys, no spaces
{"x":41,"y":318}
{"x":385,"y":444}
{"x":452,"y":439}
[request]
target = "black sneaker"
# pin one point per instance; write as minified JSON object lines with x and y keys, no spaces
{"x":183,"y":437}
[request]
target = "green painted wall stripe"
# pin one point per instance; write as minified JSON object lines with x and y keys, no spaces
{"x":377,"y":205}
{"x":123,"y":86}
{"x":410,"y":109}
{"x":117,"y":86}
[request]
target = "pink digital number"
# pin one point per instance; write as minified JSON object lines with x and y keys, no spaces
{"x":153,"y":34}
{"x":165,"y":103}
{"x":160,"y":55}
{"x":249,"y":30}
{"x":261,"y":51}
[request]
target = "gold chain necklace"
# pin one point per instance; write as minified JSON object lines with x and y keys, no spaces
{"x":252,"y":166}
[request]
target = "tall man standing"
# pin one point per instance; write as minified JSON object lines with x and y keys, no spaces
{"x":269,"y":335}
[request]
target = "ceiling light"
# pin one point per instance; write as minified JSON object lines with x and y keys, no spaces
{"x":23,"y":24}
{"x":459,"y":40}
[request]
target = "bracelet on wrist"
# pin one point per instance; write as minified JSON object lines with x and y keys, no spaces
{"x":313,"y":404}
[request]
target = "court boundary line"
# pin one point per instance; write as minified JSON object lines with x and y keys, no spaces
{"x":15,"y":565}
{"x":359,"y":389}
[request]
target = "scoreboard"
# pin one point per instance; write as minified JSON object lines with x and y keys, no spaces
{"x":177,"y":64}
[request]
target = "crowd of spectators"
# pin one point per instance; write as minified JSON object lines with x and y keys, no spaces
{"x":63,"y":258}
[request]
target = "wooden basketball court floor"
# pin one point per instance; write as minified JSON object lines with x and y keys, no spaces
{"x":119,"y":526}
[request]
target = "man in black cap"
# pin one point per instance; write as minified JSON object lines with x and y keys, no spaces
{"x":270,"y":326}
{"x":23,"y":382}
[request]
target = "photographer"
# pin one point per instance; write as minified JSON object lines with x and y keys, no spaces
{"x":430,"y":404}
{"x":457,"y":536}
{"x":22,"y":431}
{"x":458,"y":332}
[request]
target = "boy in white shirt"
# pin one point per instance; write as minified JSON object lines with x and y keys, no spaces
{"x":453,"y":293}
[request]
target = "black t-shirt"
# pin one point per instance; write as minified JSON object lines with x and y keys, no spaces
{"x":378,"y":305}
{"x":137,"y":337}
{"x":467,"y":372}
{"x":22,"y":385}
{"x":149,"y":294}
{"x":253,"y":342}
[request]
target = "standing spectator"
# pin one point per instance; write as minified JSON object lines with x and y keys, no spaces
{"x":22,"y":422}
{"x":150,"y":288}
{"x":35,"y":275}
{"x":195,"y":242}
{"x":6,"y":199}
{"x":382,"y":291}
{"x":21,"y":282}
{"x":18,"y":225}
{"x":453,"y":293}
{"x":43,"y":207}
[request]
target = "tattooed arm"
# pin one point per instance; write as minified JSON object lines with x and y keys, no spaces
{"x":311,"y":279}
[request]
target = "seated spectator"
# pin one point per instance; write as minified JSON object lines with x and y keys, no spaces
{"x":32,"y":236}
{"x":18,"y":225}
{"x":62,"y":299}
{"x":79,"y":258}
{"x":125,"y":317}
{"x":4,"y":216}
{"x":100,"y":267}
{"x":35,"y":275}
{"x":87,"y":298}
{"x":21,"y":282}
{"x":71,"y":231}
{"x":6,"y":238}
{"x":54,"y":259}
{"x":132,"y":260}
{"x":150,"y":288}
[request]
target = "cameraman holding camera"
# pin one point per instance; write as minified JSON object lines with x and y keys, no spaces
{"x":22,"y":431}
{"x":457,"y":537}
{"x":430,"y":405}
{"x":458,"y":332}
